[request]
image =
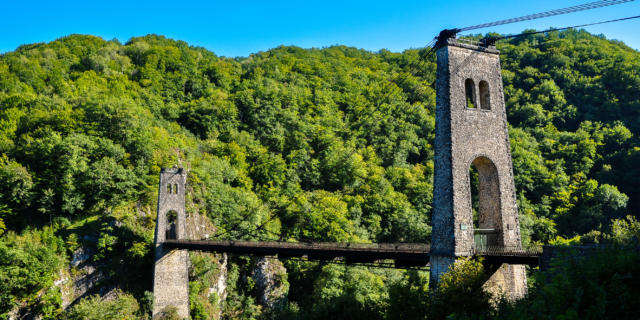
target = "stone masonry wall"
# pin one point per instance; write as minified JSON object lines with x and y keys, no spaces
{"x":466,"y":136}
{"x":171,"y":271}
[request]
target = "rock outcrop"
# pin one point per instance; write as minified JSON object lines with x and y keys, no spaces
{"x":270,"y":277}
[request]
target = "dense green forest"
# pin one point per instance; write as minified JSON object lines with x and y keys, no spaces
{"x":291,"y":144}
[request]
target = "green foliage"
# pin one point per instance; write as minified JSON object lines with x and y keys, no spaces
{"x":559,"y":90}
{"x":17,"y":183}
{"x":106,"y":242}
{"x":28,"y":266}
{"x":600,"y":285}
{"x":562,"y":242}
{"x":460,"y":293}
{"x":239,"y":303}
{"x":409,"y":297}
{"x":203,"y":303}
{"x":350,"y":293}
{"x":625,"y":231}
{"x":87,"y":123}
{"x":332,"y":144}
{"x":124,"y":306}
{"x":169,"y":313}
{"x":322,"y":216}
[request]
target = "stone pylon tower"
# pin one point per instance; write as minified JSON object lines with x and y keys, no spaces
{"x":471,"y":129}
{"x":171,"y":271}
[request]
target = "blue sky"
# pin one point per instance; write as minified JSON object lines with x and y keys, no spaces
{"x":239,"y":28}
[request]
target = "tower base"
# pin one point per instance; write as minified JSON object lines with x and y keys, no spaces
{"x":509,"y":281}
{"x":171,"y":284}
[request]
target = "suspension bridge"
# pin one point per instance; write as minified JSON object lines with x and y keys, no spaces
{"x":403,"y":255}
{"x":471,"y":129}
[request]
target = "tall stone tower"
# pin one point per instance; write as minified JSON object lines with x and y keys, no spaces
{"x":171,"y":271}
{"x":471,"y":129}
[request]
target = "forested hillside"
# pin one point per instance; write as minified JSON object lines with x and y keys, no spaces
{"x":291,"y":144}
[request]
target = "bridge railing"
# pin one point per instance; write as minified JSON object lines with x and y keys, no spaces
{"x":469,"y":41}
{"x":371,"y":247}
{"x":416,"y":247}
{"x":514,"y":251}
{"x":408,"y":248}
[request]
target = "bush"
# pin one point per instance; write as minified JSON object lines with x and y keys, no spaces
{"x":605,"y":285}
{"x":28,"y":264}
{"x":460,"y":293}
{"x":123,"y":307}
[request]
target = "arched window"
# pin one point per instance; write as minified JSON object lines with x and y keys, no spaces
{"x":485,"y":99}
{"x":175,"y":188}
{"x":169,"y":188}
{"x":172,"y":224}
{"x":470,"y":94}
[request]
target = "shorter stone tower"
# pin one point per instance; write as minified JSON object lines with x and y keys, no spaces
{"x":171,"y":271}
{"x":471,"y":129}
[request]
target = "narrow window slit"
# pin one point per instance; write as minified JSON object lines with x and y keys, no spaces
{"x":485,"y":96}
{"x":469,"y":89}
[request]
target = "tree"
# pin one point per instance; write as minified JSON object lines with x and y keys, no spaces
{"x":460,"y":293}
{"x":122,"y":307}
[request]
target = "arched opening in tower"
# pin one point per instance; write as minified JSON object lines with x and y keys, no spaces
{"x":485,"y":203}
{"x":470,"y":93}
{"x":485,"y":97}
{"x":172,"y":225}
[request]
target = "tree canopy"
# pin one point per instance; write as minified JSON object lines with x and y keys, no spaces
{"x":330,"y":144}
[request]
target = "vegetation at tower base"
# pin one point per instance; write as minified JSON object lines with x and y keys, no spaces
{"x":332,"y":144}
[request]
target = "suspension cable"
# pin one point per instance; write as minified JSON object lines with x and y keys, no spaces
{"x":582,"y":7}
{"x":560,"y":29}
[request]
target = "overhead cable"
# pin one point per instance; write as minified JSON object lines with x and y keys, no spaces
{"x":564,"y":28}
{"x":582,"y":7}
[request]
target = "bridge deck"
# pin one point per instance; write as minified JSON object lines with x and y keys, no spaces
{"x":403,"y":254}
